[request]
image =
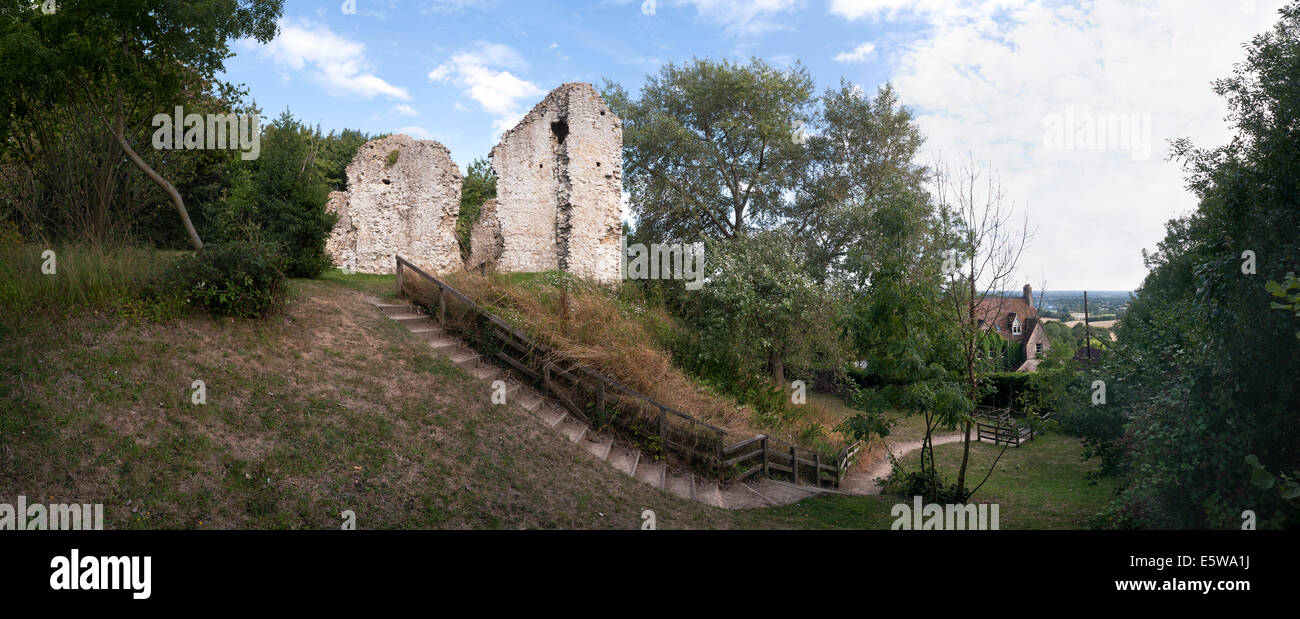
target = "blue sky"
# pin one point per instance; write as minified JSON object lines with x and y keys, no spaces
{"x":1022,"y":85}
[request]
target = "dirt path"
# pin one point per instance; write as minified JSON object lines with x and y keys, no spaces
{"x":862,"y":479}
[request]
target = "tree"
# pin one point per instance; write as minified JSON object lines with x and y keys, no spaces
{"x":900,"y":332}
{"x":478,"y":186}
{"x":860,"y":156}
{"x":1205,"y":372}
{"x":280,"y":198}
{"x":757,"y":304}
{"x":104,"y":51}
{"x":709,"y":148}
{"x":987,"y":242}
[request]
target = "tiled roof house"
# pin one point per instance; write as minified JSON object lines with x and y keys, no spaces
{"x":1016,"y":320}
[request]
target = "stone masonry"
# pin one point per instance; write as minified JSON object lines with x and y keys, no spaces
{"x":559,"y":187}
{"x":407,"y":206}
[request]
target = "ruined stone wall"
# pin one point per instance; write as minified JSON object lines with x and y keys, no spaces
{"x":408,"y":208}
{"x":559,"y":182}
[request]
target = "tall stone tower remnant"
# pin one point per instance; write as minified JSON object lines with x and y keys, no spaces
{"x":559,"y":188}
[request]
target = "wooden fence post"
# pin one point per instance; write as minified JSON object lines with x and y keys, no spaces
{"x":600,"y":398}
{"x":442,"y":305}
{"x":765,"y":473}
{"x":663,"y":428}
{"x":817,"y":469}
{"x":399,"y":279}
{"x":546,"y":378}
{"x":794,"y":464}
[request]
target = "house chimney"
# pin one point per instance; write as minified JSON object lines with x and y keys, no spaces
{"x":1029,"y":295}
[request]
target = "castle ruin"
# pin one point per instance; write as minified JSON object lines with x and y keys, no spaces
{"x":558,"y":207}
{"x":403,"y":198}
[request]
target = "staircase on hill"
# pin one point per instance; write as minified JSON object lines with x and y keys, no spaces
{"x":625,"y":457}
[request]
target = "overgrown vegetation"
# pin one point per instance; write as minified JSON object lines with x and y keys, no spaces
{"x":615,"y":332}
{"x":1203,"y":384}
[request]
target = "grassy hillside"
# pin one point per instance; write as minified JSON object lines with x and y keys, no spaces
{"x":326,"y":407}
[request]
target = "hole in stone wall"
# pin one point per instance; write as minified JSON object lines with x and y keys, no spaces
{"x":598,"y":164}
{"x":560,"y":129}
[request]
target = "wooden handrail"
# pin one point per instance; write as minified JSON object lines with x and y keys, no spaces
{"x":785,"y":449}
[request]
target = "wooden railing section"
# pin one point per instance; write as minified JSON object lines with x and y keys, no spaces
{"x":1001,"y":427}
{"x":597,"y":399}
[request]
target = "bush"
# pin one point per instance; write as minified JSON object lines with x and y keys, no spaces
{"x":280,"y":197}
{"x":241,"y":279}
{"x":908,"y":484}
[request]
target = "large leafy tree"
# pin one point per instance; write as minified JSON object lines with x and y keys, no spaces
{"x":1206,"y":374}
{"x":103,"y":52}
{"x":862,"y":154}
{"x":710,"y":147}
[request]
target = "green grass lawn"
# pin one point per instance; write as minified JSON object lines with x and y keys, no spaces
{"x":1040,"y":485}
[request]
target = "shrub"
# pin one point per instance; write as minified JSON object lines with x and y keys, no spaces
{"x":242,"y":279}
{"x":908,"y":484}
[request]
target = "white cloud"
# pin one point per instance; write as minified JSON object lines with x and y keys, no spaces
{"x":417,"y":132}
{"x":403,"y":109}
{"x":859,"y":53}
{"x":744,"y":17}
{"x":339,"y":64}
{"x":481,"y":72}
{"x":996,"y":78}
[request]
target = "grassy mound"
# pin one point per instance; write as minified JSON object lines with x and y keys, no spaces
{"x":615,"y":331}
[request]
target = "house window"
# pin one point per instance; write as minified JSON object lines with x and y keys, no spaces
{"x":1015,"y":328}
{"x":1038,"y":348}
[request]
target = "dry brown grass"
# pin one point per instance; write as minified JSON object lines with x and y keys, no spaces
{"x":612,"y":332}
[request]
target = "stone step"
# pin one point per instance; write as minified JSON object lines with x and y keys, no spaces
{"x":463,"y":359}
{"x":781,"y":493}
{"x":487,"y":372}
{"x":650,"y":473}
{"x":551,"y":415}
{"x":393,"y":308}
{"x":742,"y":496}
{"x":681,"y":485}
{"x":572,"y":429}
{"x":427,"y":332}
{"x":411,"y":320}
{"x":597,"y":446}
{"x":623,"y":459}
{"x":530,"y":401}
{"x":444,"y":345}
{"x":708,"y":491}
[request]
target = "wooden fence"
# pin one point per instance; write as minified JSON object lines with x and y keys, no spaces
{"x":601,"y":401}
{"x":1001,"y":427}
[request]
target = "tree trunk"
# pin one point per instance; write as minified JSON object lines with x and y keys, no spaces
{"x":119,"y":134}
{"x":970,"y":381}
